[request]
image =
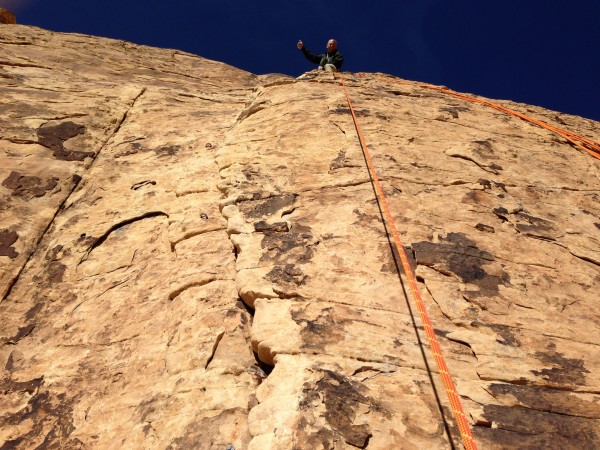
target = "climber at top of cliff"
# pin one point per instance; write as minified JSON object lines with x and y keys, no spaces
{"x":331,"y":61}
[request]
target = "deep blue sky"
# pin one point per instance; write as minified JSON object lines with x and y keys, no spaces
{"x":542,"y":52}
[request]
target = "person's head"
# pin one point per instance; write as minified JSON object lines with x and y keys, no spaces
{"x":331,"y":45}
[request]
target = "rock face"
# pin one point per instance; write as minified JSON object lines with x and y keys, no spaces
{"x":192,"y":256}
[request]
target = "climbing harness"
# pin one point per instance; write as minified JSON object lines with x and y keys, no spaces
{"x":586,"y":144}
{"x":457,"y":410}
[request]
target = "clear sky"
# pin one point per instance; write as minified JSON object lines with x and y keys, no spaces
{"x":542,"y":52}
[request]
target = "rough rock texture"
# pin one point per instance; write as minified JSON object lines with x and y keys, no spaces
{"x":192,"y":256}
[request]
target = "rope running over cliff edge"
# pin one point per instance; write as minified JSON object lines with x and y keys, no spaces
{"x":585,"y":144}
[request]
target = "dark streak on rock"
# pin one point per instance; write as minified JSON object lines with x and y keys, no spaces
{"x":569,"y":371}
{"x":54,"y":138}
{"x":268,"y":207}
{"x":167,"y":151}
{"x":547,"y":400}
{"x":7,"y":239}
{"x":23,"y":332}
{"x":508,"y":338}
{"x":346,"y":111}
{"x":277,"y":227}
{"x":526,"y":428}
{"x":485,"y":228}
{"x":50,"y":415}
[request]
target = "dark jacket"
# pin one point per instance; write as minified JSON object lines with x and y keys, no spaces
{"x":334,"y":58}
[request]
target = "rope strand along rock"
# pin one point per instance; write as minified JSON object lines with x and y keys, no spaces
{"x":457,"y":410}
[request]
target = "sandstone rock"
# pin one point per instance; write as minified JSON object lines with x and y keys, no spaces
{"x":147,"y":193}
{"x":7,"y":17}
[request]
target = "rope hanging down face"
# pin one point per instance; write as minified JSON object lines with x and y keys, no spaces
{"x":585,"y":144}
{"x":457,"y":410}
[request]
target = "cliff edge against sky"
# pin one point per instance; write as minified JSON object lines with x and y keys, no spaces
{"x":192,"y":256}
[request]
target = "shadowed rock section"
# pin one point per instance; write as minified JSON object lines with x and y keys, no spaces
{"x":192,"y":256}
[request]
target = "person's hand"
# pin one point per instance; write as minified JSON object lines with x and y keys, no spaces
{"x":300,"y":44}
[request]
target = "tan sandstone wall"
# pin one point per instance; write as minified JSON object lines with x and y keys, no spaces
{"x":192,"y":256}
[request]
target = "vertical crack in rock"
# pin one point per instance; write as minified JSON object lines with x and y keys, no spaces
{"x":76,"y":179}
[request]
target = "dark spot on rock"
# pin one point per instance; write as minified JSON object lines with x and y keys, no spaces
{"x":485,"y":228}
{"x":86,"y":241}
{"x":54,"y":138}
{"x":567,"y":371}
{"x":536,"y":226}
{"x":9,"y":385}
{"x":320,"y":331}
{"x":506,"y":333}
{"x":321,"y":438}
{"x":344,"y":111}
{"x":208,"y":145}
{"x":33,"y":312}
{"x":288,"y":247}
{"x":286,"y":275}
{"x":341,"y":397}
{"x":277,"y":227}
{"x":54,"y":253}
{"x":204,"y":216}
{"x":170,"y":150}
{"x":597,"y":225}
{"x":495,"y":167}
{"x":501,"y":211}
{"x":268,"y":207}
{"x":50,"y":415}
{"x":454,"y":110}
{"x":29,"y":186}
{"x":55,"y":272}
{"x":459,"y":255}
{"x":474,"y":196}
{"x":76,"y":179}
{"x":135,"y":148}
{"x":487,"y":184}
{"x":339,"y":161}
{"x":370,"y":221}
{"x":484,"y":146}
{"x":7,"y":239}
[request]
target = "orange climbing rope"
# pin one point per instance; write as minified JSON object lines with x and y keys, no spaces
{"x":457,"y":410}
{"x":586,"y":144}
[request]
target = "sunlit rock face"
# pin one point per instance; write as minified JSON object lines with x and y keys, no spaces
{"x":192,"y":256}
